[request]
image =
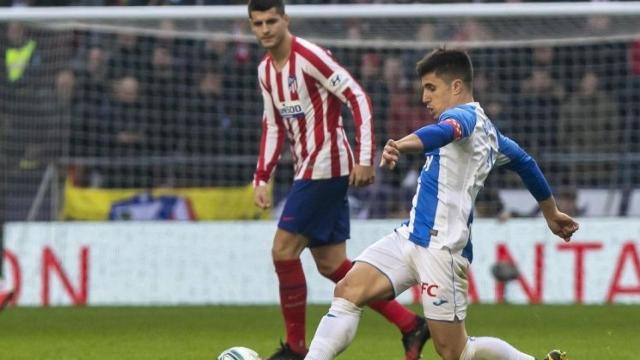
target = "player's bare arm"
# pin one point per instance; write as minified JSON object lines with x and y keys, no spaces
{"x":560,"y":223}
{"x":261,"y":197}
{"x":361,"y":175}
{"x":393,"y":148}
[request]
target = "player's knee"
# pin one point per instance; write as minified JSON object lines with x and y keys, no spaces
{"x":325,"y":269}
{"x":342,"y":290}
{"x":351,"y":291}
{"x":286,"y":246}
{"x":328,"y":265}
{"x":283,"y":252}
{"x":447,"y":354}
{"x":446,"y":351}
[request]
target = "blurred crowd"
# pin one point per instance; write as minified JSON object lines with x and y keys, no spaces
{"x":127,"y":110}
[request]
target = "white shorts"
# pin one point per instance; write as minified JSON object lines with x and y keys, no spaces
{"x":441,"y":275}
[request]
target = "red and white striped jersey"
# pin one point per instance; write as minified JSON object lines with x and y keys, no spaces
{"x":303,"y":103}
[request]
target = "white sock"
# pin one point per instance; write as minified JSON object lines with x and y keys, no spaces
{"x":335,"y":331}
{"x":490,"y":348}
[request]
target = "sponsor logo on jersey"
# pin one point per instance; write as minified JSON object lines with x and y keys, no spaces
{"x":291,"y":110}
{"x":335,"y":80}
{"x":440,"y":302}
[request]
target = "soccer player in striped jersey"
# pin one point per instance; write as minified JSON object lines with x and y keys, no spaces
{"x":303,"y":90}
{"x":433,"y":248}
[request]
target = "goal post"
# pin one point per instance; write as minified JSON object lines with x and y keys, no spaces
{"x":113,"y":98}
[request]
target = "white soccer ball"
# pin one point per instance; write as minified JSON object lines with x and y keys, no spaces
{"x":239,"y":353}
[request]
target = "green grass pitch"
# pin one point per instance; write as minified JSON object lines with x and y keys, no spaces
{"x":585,"y":332}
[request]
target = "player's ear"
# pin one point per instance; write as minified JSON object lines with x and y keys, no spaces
{"x":286,"y":18}
{"x":457,"y":86}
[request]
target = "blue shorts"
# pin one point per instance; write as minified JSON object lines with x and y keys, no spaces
{"x":319,"y":210}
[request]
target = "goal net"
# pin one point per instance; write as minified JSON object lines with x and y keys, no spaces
{"x":125,"y":100}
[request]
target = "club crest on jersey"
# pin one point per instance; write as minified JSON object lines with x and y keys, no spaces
{"x":293,"y":84}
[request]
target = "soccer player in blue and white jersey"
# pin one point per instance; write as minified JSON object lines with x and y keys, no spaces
{"x":433,"y":248}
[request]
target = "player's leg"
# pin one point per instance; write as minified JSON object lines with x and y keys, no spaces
{"x":449,"y":338}
{"x":443,"y":283}
{"x":452,"y":343}
{"x":443,"y":277}
{"x":330,"y":260}
{"x":337,"y":328}
{"x":286,"y":250}
{"x":379,"y":273}
{"x":485,"y":348}
{"x":332,"y":263}
{"x":300,"y":222}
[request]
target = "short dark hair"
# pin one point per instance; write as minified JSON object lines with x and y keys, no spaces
{"x":449,"y":63}
{"x":264,"y":5}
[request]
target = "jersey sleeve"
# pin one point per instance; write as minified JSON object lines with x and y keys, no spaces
{"x":512,"y":156}
{"x":339,"y":82}
{"x":454,"y":124}
{"x":271,"y":140}
{"x":436,"y":135}
{"x":462,"y":122}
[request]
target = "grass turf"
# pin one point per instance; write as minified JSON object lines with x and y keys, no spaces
{"x":585,"y":332}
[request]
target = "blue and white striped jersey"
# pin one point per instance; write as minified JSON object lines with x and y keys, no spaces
{"x":453,"y":174}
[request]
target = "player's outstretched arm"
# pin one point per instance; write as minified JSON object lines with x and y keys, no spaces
{"x":393,"y":149}
{"x":425,"y":139}
{"x":516,"y":159}
{"x":560,"y":223}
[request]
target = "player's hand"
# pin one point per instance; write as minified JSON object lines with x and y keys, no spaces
{"x":261,"y":197}
{"x":390,"y":155}
{"x":562,"y":225}
{"x":361,"y":176}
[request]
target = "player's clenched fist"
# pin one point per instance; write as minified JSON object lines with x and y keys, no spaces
{"x":562,"y":225}
{"x":261,"y":197}
{"x":390,"y":155}
{"x":361,"y":175}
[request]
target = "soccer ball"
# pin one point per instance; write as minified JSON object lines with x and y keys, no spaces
{"x":239,"y":353}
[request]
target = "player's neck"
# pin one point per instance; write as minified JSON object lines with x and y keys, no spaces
{"x":464,"y":99}
{"x":280,"y":54}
